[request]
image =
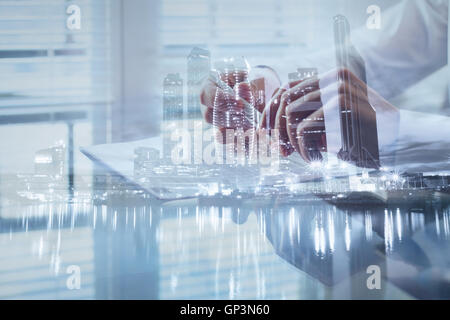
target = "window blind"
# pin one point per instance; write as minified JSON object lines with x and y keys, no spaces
{"x":243,"y":23}
{"x":44,"y":62}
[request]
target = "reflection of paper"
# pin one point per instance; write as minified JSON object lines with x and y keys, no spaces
{"x":119,"y":156}
{"x":320,"y":243}
{"x":191,"y":181}
{"x":420,"y":266}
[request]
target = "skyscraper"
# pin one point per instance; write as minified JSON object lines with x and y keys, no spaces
{"x":314,"y":137}
{"x":302,"y":74}
{"x":172,"y":96}
{"x":172,"y":109}
{"x":50,"y":162}
{"x":359,"y":133}
{"x":198,"y":66}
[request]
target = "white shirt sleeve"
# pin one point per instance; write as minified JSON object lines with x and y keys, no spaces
{"x":411,"y":44}
{"x":422,"y":145}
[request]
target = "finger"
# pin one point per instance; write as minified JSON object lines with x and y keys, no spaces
{"x":265,"y":83}
{"x":243,"y":91}
{"x":208,"y":115}
{"x":319,"y":96}
{"x":311,"y":137}
{"x":286,"y":147}
{"x":294,"y":83}
{"x":324,"y":80}
{"x":301,"y":110}
{"x":233,"y":76}
{"x":343,"y":87}
{"x":287,"y":131}
{"x":208,"y":93}
{"x":299,"y":88}
{"x":311,"y":132}
{"x":270,"y":112}
{"x":347,"y":75}
{"x":258,"y":91}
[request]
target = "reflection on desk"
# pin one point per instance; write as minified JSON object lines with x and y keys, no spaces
{"x":247,"y":250}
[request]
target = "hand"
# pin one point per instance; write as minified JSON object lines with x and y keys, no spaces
{"x":302,"y":109}
{"x":273,"y":117}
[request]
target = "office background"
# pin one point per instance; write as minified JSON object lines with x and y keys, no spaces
{"x":104,"y":83}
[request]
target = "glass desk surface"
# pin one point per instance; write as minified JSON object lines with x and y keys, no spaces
{"x":131,"y":247}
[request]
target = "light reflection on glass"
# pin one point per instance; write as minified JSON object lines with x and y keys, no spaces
{"x":347,"y":233}
{"x":388,"y":231}
{"x":368,"y":225}
{"x":221,"y":251}
{"x":331,"y":232}
{"x":399,"y":224}
{"x":446,"y":223}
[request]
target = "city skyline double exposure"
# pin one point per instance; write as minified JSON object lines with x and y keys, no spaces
{"x":224,"y":155}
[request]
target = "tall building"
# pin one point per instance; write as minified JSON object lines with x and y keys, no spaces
{"x":198,"y":66}
{"x":172,"y":109}
{"x":50,"y":162}
{"x":172,"y":96}
{"x":359,"y":133}
{"x":302,"y":74}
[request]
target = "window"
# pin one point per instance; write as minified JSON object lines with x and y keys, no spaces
{"x":44,"y":62}
{"x":258,"y":23}
{"x":264,"y":31}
